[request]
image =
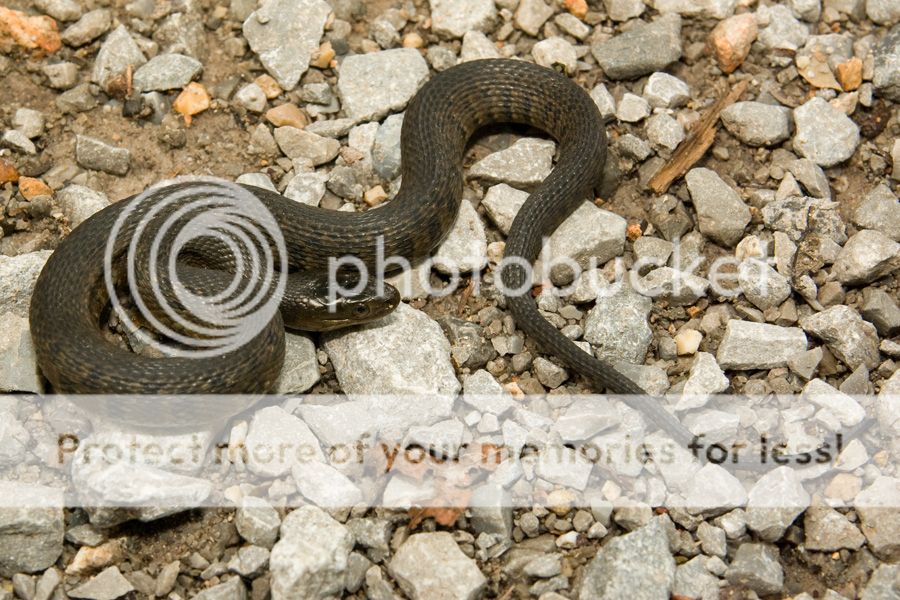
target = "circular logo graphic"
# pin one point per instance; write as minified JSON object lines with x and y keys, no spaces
{"x":190,"y":214}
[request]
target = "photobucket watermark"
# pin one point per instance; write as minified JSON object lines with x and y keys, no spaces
{"x":675,"y":275}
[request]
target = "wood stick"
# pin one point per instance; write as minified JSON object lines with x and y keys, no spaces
{"x":697,"y":143}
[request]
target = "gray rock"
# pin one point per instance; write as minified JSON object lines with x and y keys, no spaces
{"x":123,"y":491}
{"x":664,"y":131}
{"x":17,"y":277}
{"x":882,"y":585}
{"x":233,"y":589}
{"x":693,"y":580}
{"x":372,"y":85}
{"x":548,"y":373}
{"x":14,"y":438}
{"x":660,"y":43}
{"x":586,"y":418}
{"x":797,"y":216}
{"x":886,"y":76}
{"x":482,"y":392}
{"x":118,"y":52}
{"x":590,"y":236}
{"x":748,"y":345}
{"x":524,"y":164}
{"x":623,"y":10}
{"x":464,"y":249}
{"x":251,"y":97}
{"x":61,"y":76}
{"x":386,"y":149}
{"x":441,"y":58}
{"x":78,"y":203}
{"x":333,"y":128}
{"x":879,"y":210}
{"x":299,"y":143}
{"x":756,"y":567}
{"x":260,"y":180}
{"x":257,"y":522}
{"x":633,"y":147}
{"x":867,"y":256}
{"x":877,"y":508}
{"x":32,"y":527}
{"x":782,"y":31}
{"x":717,"y":9}
{"x":632,"y":109}
{"x":317,"y":93}
{"x":61,"y":10}
{"x":284,"y":34}
{"x":108,"y":585}
{"x":307,"y":188}
{"x":824,"y":134}
{"x":828,"y":530}
{"x":555,"y":52}
{"x":182,"y":33}
{"x":384,"y":33}
{"x":418,"y":363}
{"x":310,"y":559}
{"x":543,"y":566}
{"x":531,"y":15}
{"x":808,"y":10}
{"x":92,"y":153}
{"x":572,"y":25}
{"x":720,"y":212}
{"x":325,"y":486}
{"x":618,"y":326}
{"x":606,"y":104}
{"x":301,"y":368}
{"x":878,"y":308}
{"x":430,"y":565}
{"x":271,"y":429}
{"x":883,"y":12}
{"x":89,"y":27}
{"x":758,"y":124}
{"x":652,"y":252}
{"x":476,"y":46}
{"x":79,"y":99}
{"x":167,"y":72}
{"x":774,"y":502}
{"x":491,"y":510}
{"x":28,"y":121}
{"x":762,"y":285}
{"x":47,"y":584}
{"x":18,"y":368}
{"x":840,"y":405}
{"x":17,"y":140}
{"x":852,"y":340}
{"x":811,"y":177}
{"x":650,"y":378}
{"x":636,"y":565}
{"x":468,"y":346}
{"x":453,"y":18}
{"x":666,"y":91}
{"x":805,"y":364}
{"x":704,"y":379}
{"x":678,"y":287}
{"x":712,"y":539}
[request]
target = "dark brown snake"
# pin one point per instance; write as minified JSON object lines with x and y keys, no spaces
{"x":439,"y":122}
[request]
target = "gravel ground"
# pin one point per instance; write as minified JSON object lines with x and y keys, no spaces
{"x":102,"y":99}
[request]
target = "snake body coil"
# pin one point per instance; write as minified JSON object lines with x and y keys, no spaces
{"x":439,"y":121}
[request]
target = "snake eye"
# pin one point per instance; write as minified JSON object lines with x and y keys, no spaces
{"x":361,"y":310}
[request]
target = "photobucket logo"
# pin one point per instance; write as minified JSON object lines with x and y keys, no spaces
{"x":197,"y":215}
{"x":676,"y":275}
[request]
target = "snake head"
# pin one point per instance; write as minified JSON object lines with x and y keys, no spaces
{"x":315,"y":304}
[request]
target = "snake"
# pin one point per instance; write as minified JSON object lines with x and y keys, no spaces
{"x":439,"y":122}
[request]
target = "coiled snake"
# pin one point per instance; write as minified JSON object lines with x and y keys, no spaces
{"x":439,"y":121}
